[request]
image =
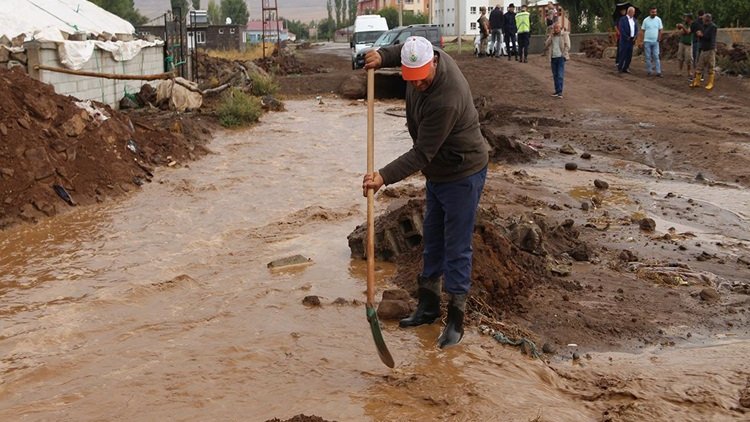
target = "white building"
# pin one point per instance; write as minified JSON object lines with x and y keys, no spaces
{"x":444,"y":15}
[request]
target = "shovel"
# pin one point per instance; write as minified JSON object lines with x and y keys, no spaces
{"x":372,"y":316}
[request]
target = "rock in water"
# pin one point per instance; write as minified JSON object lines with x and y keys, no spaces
{"x":567,"y":149}
{"x":648,"y":224}
{"x":289,"y":261}
{"x":601,"y":184}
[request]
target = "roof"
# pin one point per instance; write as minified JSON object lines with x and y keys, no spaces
{"x":258,"y":25}
{"x":46,"y":19}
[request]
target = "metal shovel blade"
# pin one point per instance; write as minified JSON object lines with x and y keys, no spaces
{"x":377,"y":335}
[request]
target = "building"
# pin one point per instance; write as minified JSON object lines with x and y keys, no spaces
{"x":253,"y":33}
{"x":224,"y":37}
{"x":365,"y":7}
{"x":444,"y":15}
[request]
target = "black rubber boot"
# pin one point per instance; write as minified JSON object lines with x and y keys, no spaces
{"x":428,"y":305}
{"x":454,"y":328}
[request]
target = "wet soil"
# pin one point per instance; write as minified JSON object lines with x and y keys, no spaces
{"x":175,"y":315}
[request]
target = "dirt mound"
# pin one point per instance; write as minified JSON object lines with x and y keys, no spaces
{"x":510,"y":255}
{"x":285,"y":64}
{"x":55,"y":154}
{"x":300,"y":418}
{"x":595,"y":47}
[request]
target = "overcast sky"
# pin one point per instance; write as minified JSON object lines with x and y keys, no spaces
{"x":303,"y":10}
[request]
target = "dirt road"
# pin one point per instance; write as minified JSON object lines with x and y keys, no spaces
{"x":160,"y":305}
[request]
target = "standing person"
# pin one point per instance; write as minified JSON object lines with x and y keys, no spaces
{"x":694,"y":28}
{"x":685,"y":47}
{"x":496,"y":25}
{"x":509,"y":32}
{"x":616,"y":24}
{"x":707,"y":57}
{"x":451,"y":152}
{"x":484,"y":31}
{"x":523,"y":25}
{"x":652,"y":28}
{"x":557,"y":46}
{"x":628,"y":33}
{"x":550,"y":14}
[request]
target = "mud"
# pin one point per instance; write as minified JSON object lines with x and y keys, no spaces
{"x":175,"y":314}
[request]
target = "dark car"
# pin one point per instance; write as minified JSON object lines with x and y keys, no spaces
{"x":399,"y":35}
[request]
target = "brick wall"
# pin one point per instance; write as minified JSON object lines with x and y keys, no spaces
{"x":150,"y":60}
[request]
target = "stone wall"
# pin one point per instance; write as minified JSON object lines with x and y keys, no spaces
{"x":109,"y":91}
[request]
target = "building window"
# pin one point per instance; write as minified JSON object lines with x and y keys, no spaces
{"x":200,"y":37}
{"x":221,"y":31}
{"x":231,"y":30}
{"x":473,"y":26}
{"x":473,"y":10}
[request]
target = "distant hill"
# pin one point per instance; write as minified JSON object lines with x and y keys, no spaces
{"x":303,"y":10}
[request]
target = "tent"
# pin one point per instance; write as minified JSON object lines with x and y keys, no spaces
{"x":46,"y":20}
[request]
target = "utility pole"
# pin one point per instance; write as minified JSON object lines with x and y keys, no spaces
{"x":400,"y":12}
{"x":457,"y":20}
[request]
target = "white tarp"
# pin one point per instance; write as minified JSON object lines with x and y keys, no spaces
{"x":45,"y":19}
{"x":74,"y":54}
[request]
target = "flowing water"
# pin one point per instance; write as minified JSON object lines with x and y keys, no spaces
{"x":160,"y":306}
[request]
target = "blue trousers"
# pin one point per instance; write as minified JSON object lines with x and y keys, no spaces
{"x":651,"y":49}
{"x":448,"y":229}
{"x":558,"y":72}
{"x":626,"y":54}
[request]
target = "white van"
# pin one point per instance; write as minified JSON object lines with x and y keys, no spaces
{"x":367,"y":29}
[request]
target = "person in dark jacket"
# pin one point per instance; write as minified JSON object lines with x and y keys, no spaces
{"x":450,"y":151}
{"x":496,"y":24}
{"x":707,"y":59}
{"x":628,"y":33}
{"x":509,"y":32}
{"x":696,"y":26}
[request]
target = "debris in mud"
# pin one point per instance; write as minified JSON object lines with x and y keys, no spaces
{"x":300,"y":418}
{"x":709,"y":295}
{"x":647,"y":225}
{"x":745,"y":396}
{"x":507,"y":149}
{"x":568,"y":150}
{"x":289,"y":261}
{"x":312,"y":301}
{"x":527,"y":346}
{"x":601,"y":184}
{"x":396,"y":232}
{"x":571,"y":166}
{"x":673,"y":275}
{"x":586,"y":156}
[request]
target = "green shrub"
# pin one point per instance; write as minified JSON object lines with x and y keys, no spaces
{"x":238,"y":109}
{"x":263,"y":85}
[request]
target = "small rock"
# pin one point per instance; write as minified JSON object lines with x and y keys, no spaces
{"x":312,"y":300}
{"x":3,"y":129}
{"x":396,"y":294}
{"x":745,"y":397}
{"x":700,"y":177}
{"x":576,"y":356}
{"x":393,"y":309}
{"x":571,"y":166}
{"x":709,"y":294}
{"x":24,"y":123}
{"x":547,"y":135}
{"x":6,"y":172}
{"x":549,"y":349}
{"x":586,"y":156}
{"x":567,"y":149}
{"x":340,"y":301}
{"x":648,"y":224}
{"x":580,"y":253}
{"x":585,"y":206}
{"x":628,"y":256}
{"x":601,"y":184}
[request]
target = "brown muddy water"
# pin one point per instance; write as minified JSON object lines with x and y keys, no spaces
{"x":161,"y":307}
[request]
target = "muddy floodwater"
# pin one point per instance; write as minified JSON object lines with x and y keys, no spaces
{"x":161,"y":306}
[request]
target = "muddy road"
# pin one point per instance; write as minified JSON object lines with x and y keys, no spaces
{"x":160,"y":305}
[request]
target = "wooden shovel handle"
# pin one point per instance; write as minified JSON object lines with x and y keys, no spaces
{"x":370,"y":193}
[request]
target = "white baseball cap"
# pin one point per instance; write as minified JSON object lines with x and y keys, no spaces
{"x":416,"y":58}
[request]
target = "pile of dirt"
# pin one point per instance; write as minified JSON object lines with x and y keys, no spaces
{"x":55,"y":154}
{"x":216,"y":71}
{"x":286,"y":64}
{"x":669,"y":45}
{"x":300,"y":418}
{"x":595,"y":47}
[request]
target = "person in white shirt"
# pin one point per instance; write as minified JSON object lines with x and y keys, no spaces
{"x":652,"y":28}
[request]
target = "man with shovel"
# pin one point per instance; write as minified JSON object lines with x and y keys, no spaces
{"x":450,"y":151}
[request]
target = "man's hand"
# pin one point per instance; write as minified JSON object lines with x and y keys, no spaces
{"x":371,"y":181}
{"x":373,"y":60}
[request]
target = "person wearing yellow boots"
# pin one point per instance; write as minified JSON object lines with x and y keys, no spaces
{"x":707,"y":58}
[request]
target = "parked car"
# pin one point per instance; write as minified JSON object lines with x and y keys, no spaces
{"x":398,"y":36}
